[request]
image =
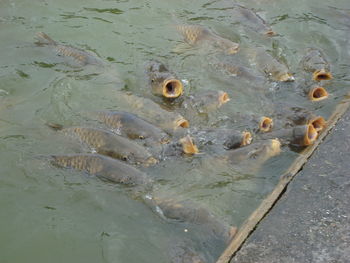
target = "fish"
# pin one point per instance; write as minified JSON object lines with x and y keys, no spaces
{"x":103,"y":167}
{"x":240,"y":71}
{"x":266,"y":63}
{"x":163,"y":82}
{"x":252,"y":122}
{"x":228,"y":138}
{"x":110,"y":144}
{"x":289,"y":116}
{"x":132,"y":126}
{"x":190,"y":212}
{"x":248,"y":18}
{"x":255,"y":154}
{"x":153,"y":113}
{"x":197,"y":35}
{"x":206,"y":101}
{"x":184,"y":145}
{"x":80,"y":56}
{"x":300,"y":135}
{"x":316,"y":62}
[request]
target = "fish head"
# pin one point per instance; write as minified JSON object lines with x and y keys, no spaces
{"x":228,"y":46}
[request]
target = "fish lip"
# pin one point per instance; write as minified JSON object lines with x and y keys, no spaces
{"x":310,"y":135}
{"x":246,"y":138}
{"x":319,"y":123}
{"x":182,"y":122}
{"x":321,"y":74}
{"x":172,"y":88}
{"x":318,"y":93}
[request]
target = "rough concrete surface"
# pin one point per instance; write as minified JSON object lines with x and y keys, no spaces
{"x":311,"y":221}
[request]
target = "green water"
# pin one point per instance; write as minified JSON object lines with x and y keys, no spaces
{"x":57,"y":215}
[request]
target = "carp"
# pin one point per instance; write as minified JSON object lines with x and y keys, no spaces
{"x":103,"y":167}
{"x":250,"y":19}
{"x":240,"y":71}
{"x":110,"y":144}
{"x":206,"y":101}
{"x":269,"y":65}
{"x":163,"y":82}
{"x":132,"y":126}
{"x":315,"y":61}
{"x":288,"y":116}
{"x":152,"y":112}
{"x":228,"y":138}
{"x":184,"y":145}
{"x":301,"y":135}
{"x":198,"y":35}
{"x":252,"y":122}
{"x":80,"y":56}
{"x":254,"y":154}
{"x":188,"y":212}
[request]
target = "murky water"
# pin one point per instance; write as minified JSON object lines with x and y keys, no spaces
{"x":58,"y":215}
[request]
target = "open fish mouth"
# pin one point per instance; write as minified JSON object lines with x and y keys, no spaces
{"x":265,"y":124}
{"x":321,"y":74}
{"x":172,"y":88}
{"x":318,"y":93}
{"x":247,"y":138}
{"x":318,"y":123}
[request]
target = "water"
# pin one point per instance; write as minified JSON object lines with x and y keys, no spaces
{"x":57,"y":215}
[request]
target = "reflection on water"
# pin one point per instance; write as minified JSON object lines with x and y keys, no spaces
{"x":54,"y":214}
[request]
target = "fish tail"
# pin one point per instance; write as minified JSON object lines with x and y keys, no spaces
{"x":43,"y":39}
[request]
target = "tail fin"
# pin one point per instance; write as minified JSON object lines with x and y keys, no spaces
{"x":43,"y":39}
{"x":54,"y":126}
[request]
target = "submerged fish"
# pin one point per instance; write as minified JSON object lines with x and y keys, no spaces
{"x":163,"y":82}
{"x":269,"y":65}
{"x":103,"y":167}
{"x":80,"y":56}
{"x":197,"y":35}
{"x":240,"y":71}
{"x":189,"y":212}
{"x":250,"y":19}
{"x":112,"y":145}
{"x":132,"y":126}
{"x":205,"y":102}
{"x":315,"y":61}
